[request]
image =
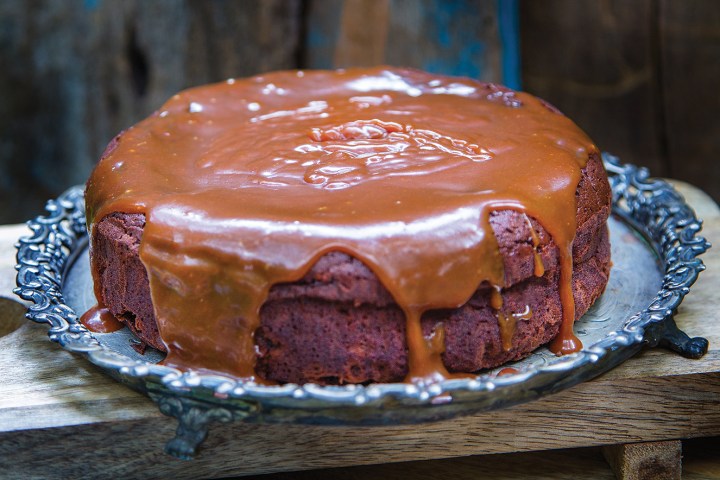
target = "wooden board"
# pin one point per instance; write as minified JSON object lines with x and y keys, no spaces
{"x":59,"y":414}
{"x":700,"y":462}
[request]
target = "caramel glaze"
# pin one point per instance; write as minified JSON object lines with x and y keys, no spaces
{"x":507,"y":323}
{"x":246,"y":183}
{"x":99,"y":320}
{"x":539,"y":268}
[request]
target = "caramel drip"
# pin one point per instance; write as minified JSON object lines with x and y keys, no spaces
{"x":424,"y":353}
{"x":507,"y":371}
{"x":539,"y":268}
{"x":246,"y":183}
{"x":99,"y":320}
{"x":524,"y":315}
{"x":507,"y":330}
{"x":507,"y":323}
{"x":566,"y":342}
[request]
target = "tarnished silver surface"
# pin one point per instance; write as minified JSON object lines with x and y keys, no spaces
{"x":654,"y":246}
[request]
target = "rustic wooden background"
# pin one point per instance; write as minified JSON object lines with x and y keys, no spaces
{"x":641,"y":77}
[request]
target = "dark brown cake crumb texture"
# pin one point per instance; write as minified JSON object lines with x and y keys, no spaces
{"x":339,"y":325}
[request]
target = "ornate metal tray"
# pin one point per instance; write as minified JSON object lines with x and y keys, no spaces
{"x":655,"y":249}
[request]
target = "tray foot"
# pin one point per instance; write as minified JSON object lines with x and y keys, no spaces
{"x":669,"y":336}
{"x":194,"y":419}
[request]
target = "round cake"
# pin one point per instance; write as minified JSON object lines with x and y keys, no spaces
{"x":350,"y":226}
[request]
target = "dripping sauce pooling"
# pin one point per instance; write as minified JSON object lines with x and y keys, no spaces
{"x":99,"y":320}
{"x":246,"y":183}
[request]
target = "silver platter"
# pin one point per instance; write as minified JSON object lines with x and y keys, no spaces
{"x":654,"y":247}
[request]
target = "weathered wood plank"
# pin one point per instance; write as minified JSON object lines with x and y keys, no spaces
{"x":596,"y":62}
{"x":689,"y":35}
{"x":363,"y":33}
{"x":578,"y":464}
{"x":579,"y":417}
{"x":700,"y":462}
{"x":77,"y":72}
{"x":455,"y":38}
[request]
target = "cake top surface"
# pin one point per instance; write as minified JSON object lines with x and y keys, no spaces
{"x":246,"y":183}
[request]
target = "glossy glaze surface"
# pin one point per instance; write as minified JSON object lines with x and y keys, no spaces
{"x":246,"y":183}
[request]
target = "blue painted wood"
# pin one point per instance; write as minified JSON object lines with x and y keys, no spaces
{"x":455,"y":27}
{"x":322,"y":26}
{"x":509,"y":27}
{"x":452,"y":37}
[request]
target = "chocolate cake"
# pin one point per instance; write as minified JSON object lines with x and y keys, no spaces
{"x":368,"y":225}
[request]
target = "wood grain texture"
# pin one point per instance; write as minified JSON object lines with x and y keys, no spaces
{"x":457,"y":38}
{"x":570,"y":419}
{"x":596,"y":62}
{"x":363,"y":33}
{"x":554,"y":465}
{"x":59,"y":414}
{"x":640,"y":77}
{"x":689,"y":45}
{"x":700,"y":462}
{"x":77,"y":72}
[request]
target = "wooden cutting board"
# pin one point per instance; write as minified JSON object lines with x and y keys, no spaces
{"x":60,"y":417}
